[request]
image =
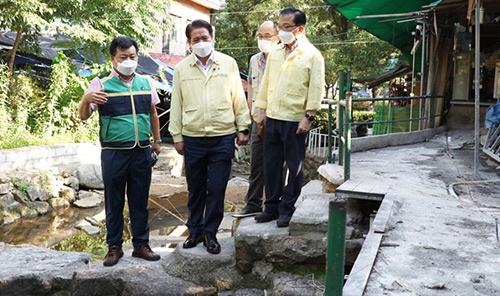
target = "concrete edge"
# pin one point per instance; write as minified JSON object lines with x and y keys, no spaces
{"x":360,"y":273}
{"x":396,"y":139}
{"x":358,"y":278}
{"x":383,"y":214}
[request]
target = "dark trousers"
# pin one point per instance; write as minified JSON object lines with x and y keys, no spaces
{"x":128,"y":170}
{"x":283,"y":146}
{"x":255,"y":191}
{"x":208,"y":167}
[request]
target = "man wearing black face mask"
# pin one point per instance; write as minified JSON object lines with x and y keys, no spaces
{"x":208,"y":111}
{"x":127,"y":116}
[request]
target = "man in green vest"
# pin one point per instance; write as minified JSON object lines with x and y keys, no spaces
{"x":126,"y":103}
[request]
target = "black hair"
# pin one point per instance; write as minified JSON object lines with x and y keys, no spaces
{"x":299,"y":17}
{"x":275,"y":25}
{"x":122,"y":42}
{"x":197,"y":24}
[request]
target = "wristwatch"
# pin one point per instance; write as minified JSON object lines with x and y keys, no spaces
{"x":245,"y":132}
{"x":157,"y":142}
{"x":310,"y":117}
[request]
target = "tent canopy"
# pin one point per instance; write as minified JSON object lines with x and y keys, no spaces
{"x":391,"y":18}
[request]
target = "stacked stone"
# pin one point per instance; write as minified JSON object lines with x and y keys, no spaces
{"x":28,"y":193}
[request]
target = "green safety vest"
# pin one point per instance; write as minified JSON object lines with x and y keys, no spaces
{"x":125,"y":118}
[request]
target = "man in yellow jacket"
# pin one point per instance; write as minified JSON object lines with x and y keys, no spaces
{"x":208,"y":111}
{"x":289,"y":96}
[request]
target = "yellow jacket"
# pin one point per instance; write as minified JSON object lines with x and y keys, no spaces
{"x":292,"y":86}
{"x":207,"y":106}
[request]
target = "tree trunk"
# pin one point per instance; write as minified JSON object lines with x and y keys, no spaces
{"x":13,"y":51}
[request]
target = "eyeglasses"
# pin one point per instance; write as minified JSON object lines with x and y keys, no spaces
{"x":265,"y":37}
{"x":286,"y":27}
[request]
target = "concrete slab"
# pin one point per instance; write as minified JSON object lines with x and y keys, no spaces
{"x":423,"y":240}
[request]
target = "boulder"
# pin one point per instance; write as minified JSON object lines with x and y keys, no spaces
{"x":88,"y":200}
{"x":90,"y":176}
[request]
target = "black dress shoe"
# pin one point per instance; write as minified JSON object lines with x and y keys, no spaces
{"x":213,"y":246}
{"x":283,"y":221}
{"x":266,"y":217}
{"x":192,"y":241}
{"x":246,"y":213}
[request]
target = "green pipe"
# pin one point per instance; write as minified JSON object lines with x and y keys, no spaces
{"x":330,"y":158}
{"x":347,"y":154}
{"x":335,"y":249}
{"x":340,"y":119}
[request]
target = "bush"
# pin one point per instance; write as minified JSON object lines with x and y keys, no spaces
{"x":36,"y":112}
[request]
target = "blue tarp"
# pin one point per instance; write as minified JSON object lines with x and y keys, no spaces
{"x":492,"y":116}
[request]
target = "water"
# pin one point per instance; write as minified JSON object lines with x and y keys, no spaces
{"x":55,"y":226}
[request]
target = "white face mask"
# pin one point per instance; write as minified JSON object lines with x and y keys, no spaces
{"x":202,"y":49}
{"x":286,"y":37}
{"x":127,"y":67}
{"x":265,"y":45}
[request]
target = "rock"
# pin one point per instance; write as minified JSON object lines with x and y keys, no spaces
{"x":237,"y":181}
{"x":10,"y":217}
{"x":4,"y":178}
{"x":28,"y":212}
{"x":197,"y":265}
{"x":88,"y":228}
{"x":38,"y":193}
{"x":265,"y":241}
{"x":5,"y":187}
{"x":90,"y":176}
{"x":58,"y":202}
{"x":6,"y":200}
{"x":44,"y":272}
{"x":88,"y":200}
{"x":20,"y":196}
{"x":67,"y":193}
{"x":41,"y":207}
{"x":73,"y":182}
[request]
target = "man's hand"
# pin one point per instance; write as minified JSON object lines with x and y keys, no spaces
{"x":156,"y":147}
{"x":179,"y":147}
{"x":304,"y":126}
{"x":95,"y":97}
{"x":261,"y":119}
{"x":242,"y":139}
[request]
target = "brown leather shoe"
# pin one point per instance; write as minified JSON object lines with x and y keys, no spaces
{"x":114,"y":254}
{"x":145,"y":253}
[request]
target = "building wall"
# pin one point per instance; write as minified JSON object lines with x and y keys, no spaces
{"x":183,"y":12}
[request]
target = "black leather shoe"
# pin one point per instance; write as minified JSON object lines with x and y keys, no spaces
{"x":283,"y":221}
{"x":213,"y":246}
{"x":246,"y":213}
{"x":266,"y":217}
{"x":192,"y":241}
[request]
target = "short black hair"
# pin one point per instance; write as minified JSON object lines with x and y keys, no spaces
{"x":197,"y":24}
{"x":122,"y":42}
{"x":275,"y":25}
{"x":299,"y":17}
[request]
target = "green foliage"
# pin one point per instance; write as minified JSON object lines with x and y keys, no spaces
{"x":95,"y":246}
{"x":32,"y":113}
{"x":342,"y":44}
{"x":21,"y":185}
{"x":89,"y":25}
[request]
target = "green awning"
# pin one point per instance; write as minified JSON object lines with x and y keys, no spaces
{"x":386,"y":27}
{"x":394,"y":68}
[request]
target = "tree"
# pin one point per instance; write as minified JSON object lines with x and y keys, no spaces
{"x":342,"y":44}
{"x":88,"y":24}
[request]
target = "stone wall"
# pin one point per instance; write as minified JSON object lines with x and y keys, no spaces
{"x":47,"y":156}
